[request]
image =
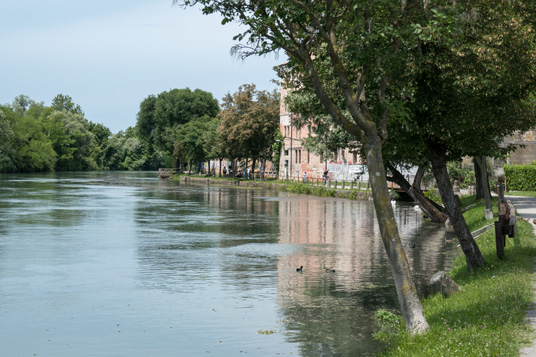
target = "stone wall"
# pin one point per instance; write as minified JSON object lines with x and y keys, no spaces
{"x":523,"y":155}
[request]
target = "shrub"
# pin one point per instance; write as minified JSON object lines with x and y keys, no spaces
{"x":464,"y":175}
{"x":520,"y":177}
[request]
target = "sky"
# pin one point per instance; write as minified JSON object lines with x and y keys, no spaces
{"x":109,"y":55}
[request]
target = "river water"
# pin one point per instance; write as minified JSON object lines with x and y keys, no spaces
{"x":125,"y":264}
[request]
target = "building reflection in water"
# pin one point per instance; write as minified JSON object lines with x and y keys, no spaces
{"x":331,"y":313}
{"x":245,"y":245}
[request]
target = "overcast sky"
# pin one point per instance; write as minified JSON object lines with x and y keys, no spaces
{"x":109,"y":55}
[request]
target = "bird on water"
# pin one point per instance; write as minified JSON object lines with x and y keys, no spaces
{"x":330,"y":270}
{"x":300,"y":269}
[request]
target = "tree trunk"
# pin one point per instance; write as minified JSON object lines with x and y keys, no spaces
{"x":484,"y":182}
{"x":478,"y":179}
{"x":419,"y":175}
{"x":407,"y":293}
{"x":417,"y":196}
{"x":473,"y":256}
{"x":481,"y":160}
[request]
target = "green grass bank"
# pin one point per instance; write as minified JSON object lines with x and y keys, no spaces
{"x":488,"y":317}
{"x":294,"y":187}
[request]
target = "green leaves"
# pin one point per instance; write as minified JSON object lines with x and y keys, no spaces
{"x":249,"y":122}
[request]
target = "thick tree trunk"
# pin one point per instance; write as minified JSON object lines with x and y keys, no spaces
{"x":416,"y":195}
{"x":407,"y":293}
{"x":473,"y":256}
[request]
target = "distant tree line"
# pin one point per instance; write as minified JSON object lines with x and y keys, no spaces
{"x":176,"y":128}
{"x":39,"y":138}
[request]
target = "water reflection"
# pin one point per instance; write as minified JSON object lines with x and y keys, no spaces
{"x":124,"y":263}
{"x":251,"y":241}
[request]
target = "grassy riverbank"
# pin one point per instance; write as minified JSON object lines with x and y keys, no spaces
{"x":294,"y":187}
{"x":487,"y":318}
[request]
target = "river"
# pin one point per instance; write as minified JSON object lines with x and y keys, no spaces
{"x":125,"y":264}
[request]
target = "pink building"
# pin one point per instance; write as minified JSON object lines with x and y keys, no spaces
{"x":295,"y":159}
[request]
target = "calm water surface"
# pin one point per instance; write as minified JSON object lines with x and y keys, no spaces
{"x":124,"y":264}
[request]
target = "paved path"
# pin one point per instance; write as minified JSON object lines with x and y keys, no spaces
{"x":526,"y":207}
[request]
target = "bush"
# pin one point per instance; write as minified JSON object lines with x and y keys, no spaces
{"x":464,"y":175}
{"x":520,"y":177}
{"x":432,"y":195}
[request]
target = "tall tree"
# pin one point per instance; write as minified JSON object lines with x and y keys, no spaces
{"x":7,"y":151}
{"x":346,"y":50}
{"x":249,"y":122}
{"x":193,"y":140}
{"x":161,"y":115}
{"x":34,"y":149}
{"x":65,"y":103}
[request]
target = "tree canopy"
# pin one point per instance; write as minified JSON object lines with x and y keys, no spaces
{"x":160,"y":115}
{"x":249,"y":123}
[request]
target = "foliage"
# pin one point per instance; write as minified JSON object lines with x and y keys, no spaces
{"x":37,"y":138}
{"x":432,"y":195}
{"x":78,"y":143}
{"x":277,"y":147}
{"x":65,"y":103}
{"x":249,"y":123}
{"x":34,"y":150}
{"x":124,"y":151}
{"x":458,"y":172}
{"x":520,"y":177}
{"x":7,"y":152}
{"x":161,"y":115}
{"x":321,"y":191}
{"x":195,"y":139}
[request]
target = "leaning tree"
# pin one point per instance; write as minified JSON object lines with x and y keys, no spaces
{"x":349,"y":50}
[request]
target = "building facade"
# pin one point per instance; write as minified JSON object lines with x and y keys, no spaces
{"x":296,"y":160}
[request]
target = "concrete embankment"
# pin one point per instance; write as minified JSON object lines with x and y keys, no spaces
{"x":290,"y":187}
